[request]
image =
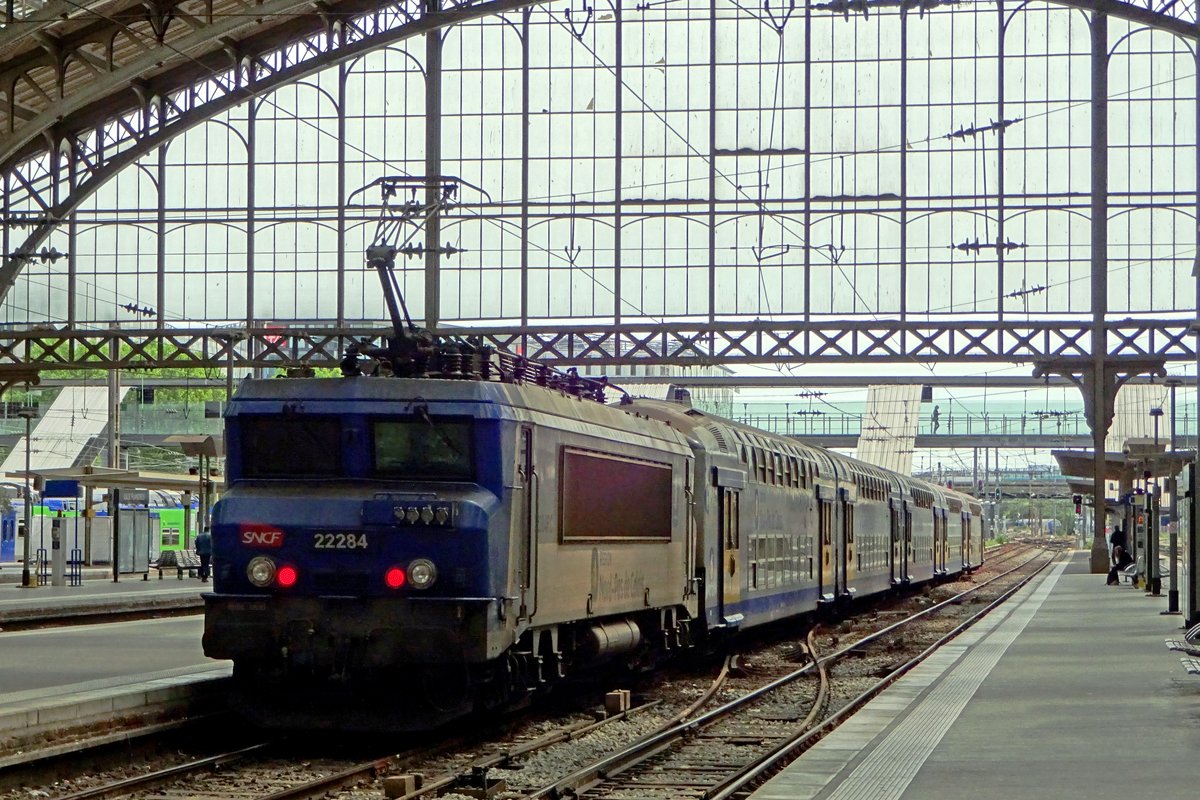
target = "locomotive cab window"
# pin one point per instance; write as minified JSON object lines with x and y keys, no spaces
{"x":291,"y":446}
{"x":423,"y":449}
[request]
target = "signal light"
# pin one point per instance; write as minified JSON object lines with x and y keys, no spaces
{"x":286,"y":577}
{"x":394,"y":578}
{"x":1078,"y":503}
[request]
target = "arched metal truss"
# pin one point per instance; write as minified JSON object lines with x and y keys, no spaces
{"x":87,"y":90}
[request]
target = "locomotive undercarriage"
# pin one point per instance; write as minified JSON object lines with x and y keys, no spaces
{"x":544,"y":657}
{"x":294,"y":668}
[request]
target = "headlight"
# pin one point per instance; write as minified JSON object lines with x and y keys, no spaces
{"x":261,"y":571}
{"x":422,"y":573}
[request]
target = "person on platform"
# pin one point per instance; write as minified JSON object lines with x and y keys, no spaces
{"x":1121,"y":560}
{"x":204,"y":551}
{"x":1115,"y":540}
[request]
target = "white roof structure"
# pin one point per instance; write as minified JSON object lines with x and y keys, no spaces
{"x":77,"y":414}
{"x":889,"y":427}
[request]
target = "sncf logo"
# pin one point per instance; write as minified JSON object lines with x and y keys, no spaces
{"x":262,"y":537}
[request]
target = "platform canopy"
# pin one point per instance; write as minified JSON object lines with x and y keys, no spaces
{"x":1132,"y":464}
{"x":126,"y":478}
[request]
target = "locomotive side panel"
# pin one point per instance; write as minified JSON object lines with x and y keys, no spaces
{"x":612,"y":525}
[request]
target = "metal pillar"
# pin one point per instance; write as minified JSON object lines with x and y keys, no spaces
{"x":27,"y":414}
{"x":1099,"y":263}
{"x":114,"y":512}
{"x":187,"y":520}
{"x":114,"y":409}
{"x":1153,"y":572}
{"x":433,"y":169}
{"x":1173,"y":546}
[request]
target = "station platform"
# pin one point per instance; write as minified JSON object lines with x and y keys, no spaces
{"x":1065,"y":692}
{"x":98,"y":595}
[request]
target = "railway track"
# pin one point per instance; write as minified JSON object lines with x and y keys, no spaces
{"x":720,"y":753}
{"x":672,"y":755}
{"x":268,"y":771}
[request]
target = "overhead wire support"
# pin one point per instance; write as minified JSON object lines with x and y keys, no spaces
{"x":1026,"y":292}
{"x":145,"y":311}
{"x":992,"y":127}
{"x":847,"y":7}
{"x":976,"y":246}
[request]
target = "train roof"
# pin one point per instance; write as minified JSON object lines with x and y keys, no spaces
{"x":732,"y":434}
{"x":375,"y":394}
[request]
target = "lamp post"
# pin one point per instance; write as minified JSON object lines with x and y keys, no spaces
{"x":27,"y":414}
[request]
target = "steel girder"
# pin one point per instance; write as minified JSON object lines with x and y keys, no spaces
{"x":87,"y":89}
{"x":83,"y":97}
{"x":672,"y":343}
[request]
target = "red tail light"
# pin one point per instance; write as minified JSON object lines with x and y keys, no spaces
{"x":286,"y":577}
{"x":394,"y":578}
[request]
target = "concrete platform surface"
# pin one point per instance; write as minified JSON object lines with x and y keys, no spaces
{"x":99,"y":595}
{"x":64,"y":678}
{"x":1067,"y":692}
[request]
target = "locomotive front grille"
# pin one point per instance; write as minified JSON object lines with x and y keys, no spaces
{"x":341,"y":582}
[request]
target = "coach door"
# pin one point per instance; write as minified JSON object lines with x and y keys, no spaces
{"x":731,"y":544}
{"x":964,"y":525}
{"x":906,"y":569}
{"x":523,"y":523}
{"x":896,"y":514}
{"x":939,"y":540}
{"x":825,"y":523}
{"x":849,"y":548}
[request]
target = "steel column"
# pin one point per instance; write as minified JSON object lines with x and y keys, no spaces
{"x":1000,"y":33}
{"x":160,"y":244}
{"x":524,"y":175}
{"x":903,"y":164}
{"x":341,"y":196}
{"x":1099,"y":274}
{"x":618,"y":162}
{"x":712,"y":161}
{"x":433,"y":169}
{"x":251,"y":205}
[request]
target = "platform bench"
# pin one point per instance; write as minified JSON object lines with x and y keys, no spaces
{"x":179,"y":560}
{"x":1190,"y":643}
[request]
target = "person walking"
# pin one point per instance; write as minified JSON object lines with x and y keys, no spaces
{"x":1117,"y":539}
{"x":204,"y":551}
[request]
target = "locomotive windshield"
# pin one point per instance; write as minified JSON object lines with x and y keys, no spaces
{"x":298,"y":446}
{"x":423,"y":449}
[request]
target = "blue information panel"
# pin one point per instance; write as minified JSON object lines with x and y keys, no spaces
{"x":61,"y":488}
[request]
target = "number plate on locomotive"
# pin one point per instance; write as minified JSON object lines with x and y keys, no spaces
{"x":340,"y":541}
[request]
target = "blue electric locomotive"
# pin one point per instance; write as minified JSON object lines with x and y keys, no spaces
{"x":400,"y":551}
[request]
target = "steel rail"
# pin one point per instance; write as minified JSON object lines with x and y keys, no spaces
{"x":149,"y":780}
{"x":556,"y":737}
{"x":321,"y":787}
